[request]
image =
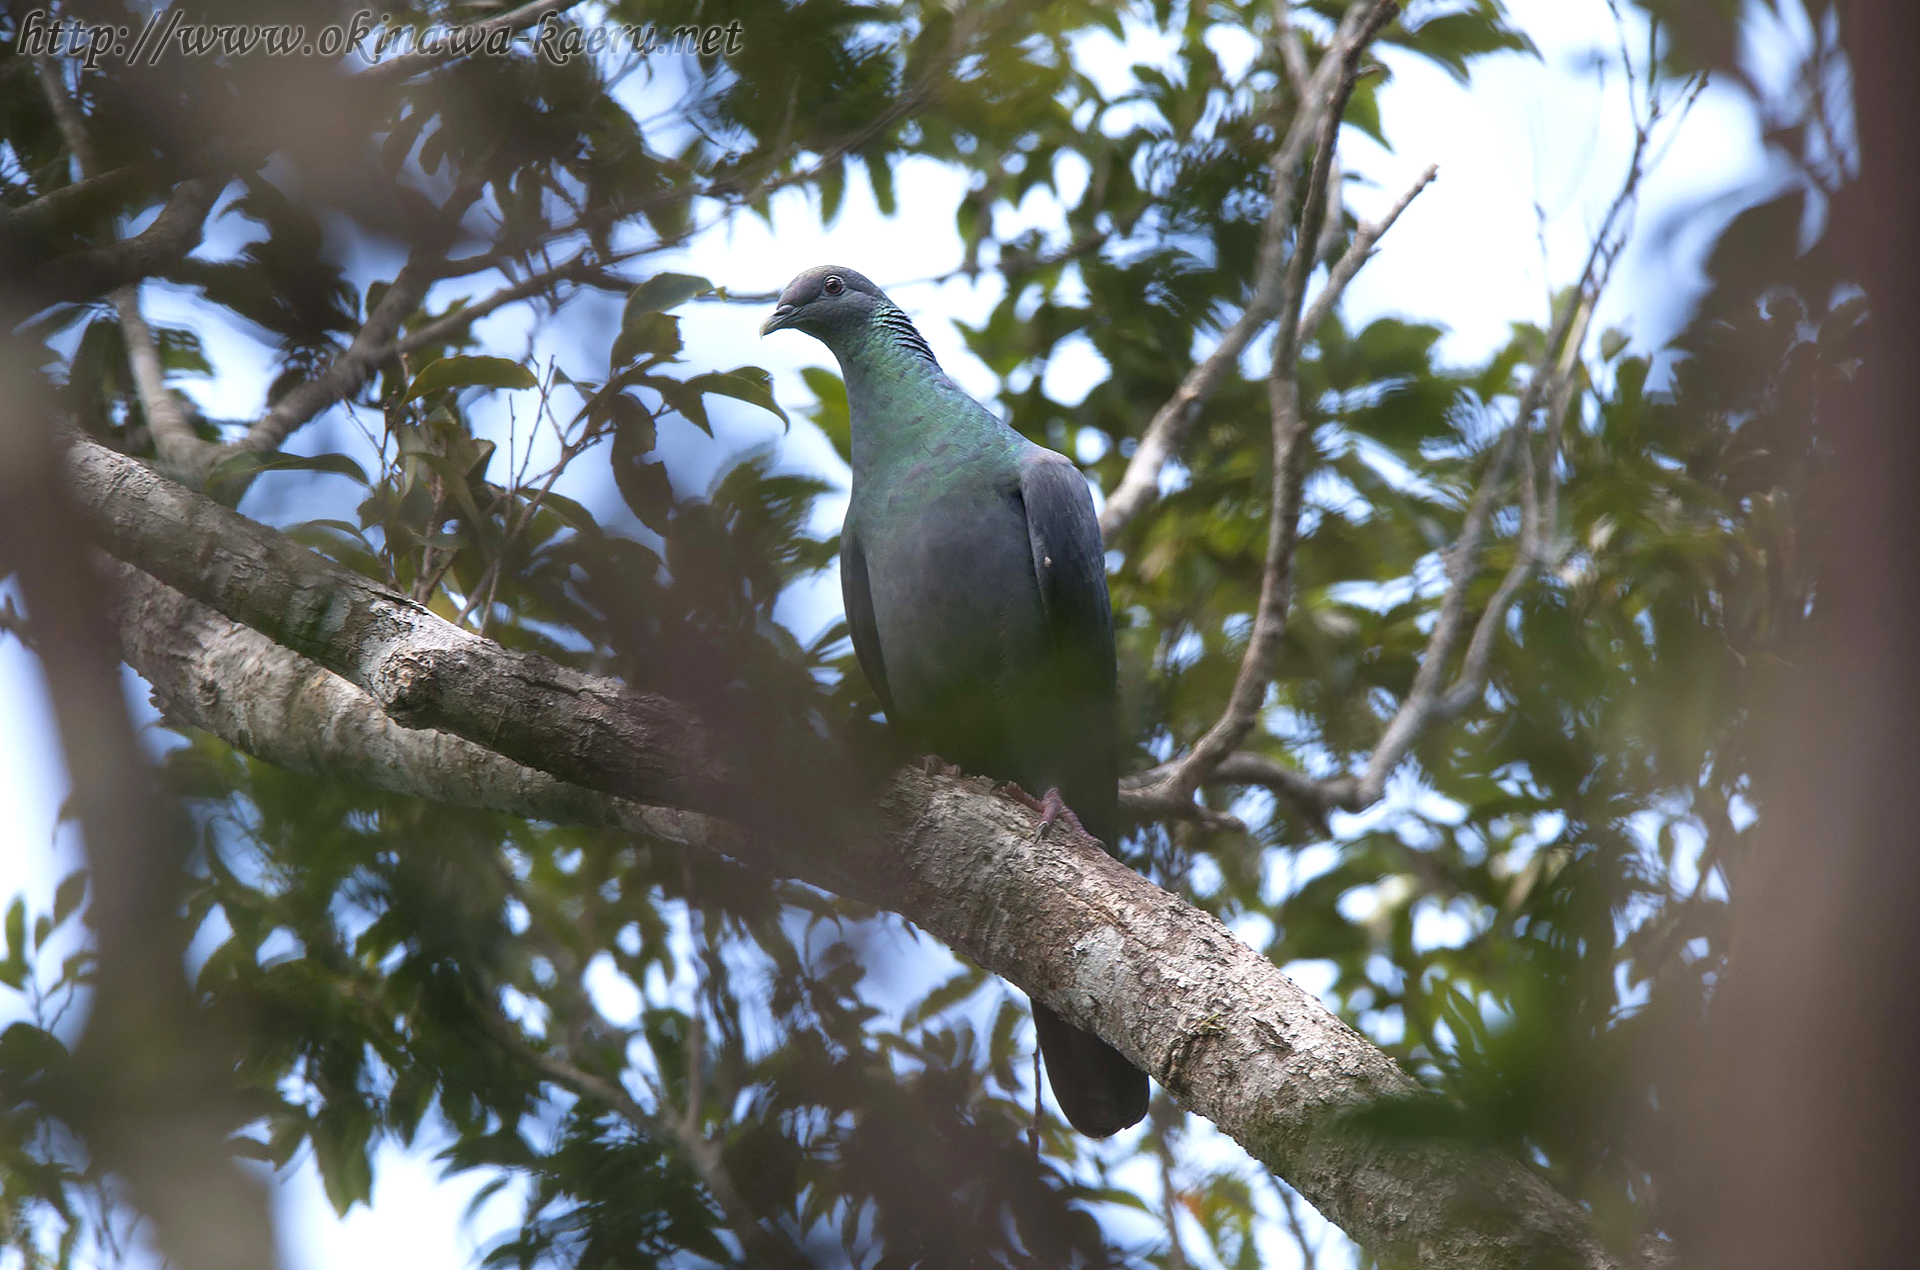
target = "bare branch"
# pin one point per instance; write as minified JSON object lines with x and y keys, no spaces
{"x":1290,"y":441}
{"x":1242,"y":767}
{"x":1139,"y":485}
{"x":178,"y":446}
{"x":1149,"y":803}
{"x":1432,"y":697}
{"x":451,"y":325}
{"x":1293,"y":59}
{"x":1527,"y":552}
{"x":373,"y":343}
{"x":1425,"y":702}
{"x":1358,"y":252}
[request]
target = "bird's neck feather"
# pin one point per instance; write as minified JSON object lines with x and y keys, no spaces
{"x":904,"y":405}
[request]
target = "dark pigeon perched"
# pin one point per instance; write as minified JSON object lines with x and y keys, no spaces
{"x":976,"y":590}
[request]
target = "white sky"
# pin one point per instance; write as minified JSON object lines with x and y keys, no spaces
{"x":1466,"y":255}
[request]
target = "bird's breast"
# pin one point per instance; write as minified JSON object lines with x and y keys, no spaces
{"x":955,"y":605}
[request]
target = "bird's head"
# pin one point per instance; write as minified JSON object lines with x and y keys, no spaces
{"x":825,"y":301}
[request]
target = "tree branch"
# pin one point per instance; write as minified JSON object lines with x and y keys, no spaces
{"x":373,"y":343}
{"x":1139,"y":485}
{"x":1214,"y":1021}
{"x":1290,"y":442}
{"x":424,"y":671}
{"x":1358,"y":252}
{"x":174,"y":232}
{"x":175,"y":441}
{"x":1432,"y":698}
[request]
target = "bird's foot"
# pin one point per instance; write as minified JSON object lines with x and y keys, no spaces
{"x":1052,"y":808}
{"x":934,"y":765}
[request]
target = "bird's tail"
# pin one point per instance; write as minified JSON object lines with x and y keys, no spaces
{"x":1100,"y":1091}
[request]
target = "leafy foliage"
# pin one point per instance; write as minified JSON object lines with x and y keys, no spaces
{"x":607,"y":1026}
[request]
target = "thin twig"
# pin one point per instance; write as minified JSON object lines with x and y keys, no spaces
{"x":1433,"y":697}
{"x":1358,"y":252}
{"x":1139,"y":485}
{"x":1290,"y":442}
{"x":763,"y":1242}
{"x":173,"y":435}
{"x":1290,"y":1204}
{"x":1169,"y":1202}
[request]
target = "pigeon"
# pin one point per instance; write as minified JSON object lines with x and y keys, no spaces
{"x":976,"y":593}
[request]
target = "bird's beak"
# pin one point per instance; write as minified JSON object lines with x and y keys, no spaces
{"x":779,"y":320}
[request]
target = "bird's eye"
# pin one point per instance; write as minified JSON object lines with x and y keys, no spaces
{"x":833,"y":285}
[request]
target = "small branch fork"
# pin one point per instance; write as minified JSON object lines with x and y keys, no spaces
{"x":1167,"y":791}
{"x":1320,"y":97}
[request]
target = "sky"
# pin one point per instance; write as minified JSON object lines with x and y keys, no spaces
{"x":1471,"y":253}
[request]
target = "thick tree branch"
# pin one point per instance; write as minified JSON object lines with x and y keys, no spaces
{"x":1217,"y":1023}
{"x":423,"y":670}
{"x":217,"y":675}
{"x":174,"y":232}
{"x":1140,"y":483}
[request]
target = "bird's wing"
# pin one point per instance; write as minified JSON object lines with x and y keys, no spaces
{"x":859,"y":601}
{"x":1069,"y":564}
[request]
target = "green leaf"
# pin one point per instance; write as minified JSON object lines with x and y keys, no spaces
{"x":643,"y":483}
{"x":661,"y":292}
{"x":654,"y":335}
{"x":683,"y":399}
{"x":68,"y":895}
{"x":13,"y":971}
{"x":831,"y":416}
{"x":747,"y":383}
{"x":962,"y":985}
{"x":470,"y":372}
{"x":341,"y":1137}
{"x":571,"y":513}
{"x":233,"y":474}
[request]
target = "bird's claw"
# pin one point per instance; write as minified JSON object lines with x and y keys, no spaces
{"x":1052,"y":808}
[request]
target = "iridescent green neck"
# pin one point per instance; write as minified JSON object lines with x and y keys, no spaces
{"x":903,"y":404}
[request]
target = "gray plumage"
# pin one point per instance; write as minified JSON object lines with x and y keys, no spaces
{"x":976,"y":592}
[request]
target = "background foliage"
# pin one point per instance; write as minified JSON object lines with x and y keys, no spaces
{"x":1545,"y":884}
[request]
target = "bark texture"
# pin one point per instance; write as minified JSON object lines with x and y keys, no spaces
{"x":424,"y":671}
{"x":1229,"y":1035}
